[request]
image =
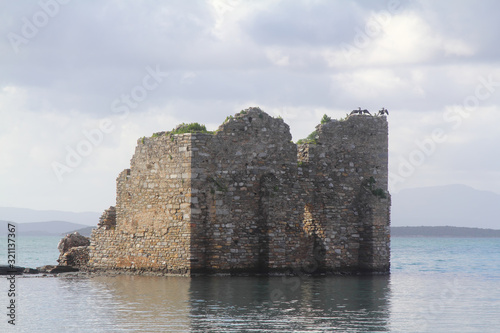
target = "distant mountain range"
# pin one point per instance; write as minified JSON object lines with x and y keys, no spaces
{"x":31,"y":222}
{"x":50,"y":228}
{"x":24,"y":215}
{"x":452,"y":205}
{"x":444,"y":232}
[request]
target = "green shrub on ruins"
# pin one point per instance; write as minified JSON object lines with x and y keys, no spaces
{"x":378,"y":192}
{"x":311,"y":138}
{"x":190,"y":128}
{"x":325,"y":119}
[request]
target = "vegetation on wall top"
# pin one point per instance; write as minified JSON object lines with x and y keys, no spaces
{"x":325,"y":119}
{"x":189,"y":128}
{"x":313,"y":137}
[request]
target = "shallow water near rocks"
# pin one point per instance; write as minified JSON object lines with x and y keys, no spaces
{"x":436,"y":285}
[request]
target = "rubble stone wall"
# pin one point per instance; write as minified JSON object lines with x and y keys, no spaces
{"x":153,"y":210}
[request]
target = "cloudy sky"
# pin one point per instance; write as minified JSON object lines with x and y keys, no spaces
{"x":81,"y":81}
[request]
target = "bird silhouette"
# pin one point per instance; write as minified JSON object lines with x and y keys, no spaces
{"x":383,"y":111}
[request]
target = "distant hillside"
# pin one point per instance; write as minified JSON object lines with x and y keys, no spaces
{"x":24,"y":215}
{"x":453,"y":205}
{"x":84,"y":231}
{"x":50,"y":228}
{"x":443,"y":232}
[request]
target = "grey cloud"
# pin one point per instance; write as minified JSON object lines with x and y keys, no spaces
{"x":476,"y":23}
{"x":91,"y":53}
{"x":306,"y":23}
{"x":298,"y":23}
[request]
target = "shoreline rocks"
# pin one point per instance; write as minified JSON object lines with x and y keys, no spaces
{"x":74,"y":249}
{"x":53,"y":269}
{"x":8,"y":270}
{"x":72,"y":240}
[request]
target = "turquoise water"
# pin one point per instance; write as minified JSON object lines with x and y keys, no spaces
{"x":32,"y":251}
{"x":436,"y":285}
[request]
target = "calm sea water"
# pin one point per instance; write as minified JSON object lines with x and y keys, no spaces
{"x":436,"y":285}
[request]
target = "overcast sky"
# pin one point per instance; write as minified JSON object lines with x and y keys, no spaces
{"x":81,"y":81}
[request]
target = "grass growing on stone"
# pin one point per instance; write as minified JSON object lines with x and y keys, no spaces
{"x":190,"y":128}
{"x":311,"y":138}
{"x":378,"y":192}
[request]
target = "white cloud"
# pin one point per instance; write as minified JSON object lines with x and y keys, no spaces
{"x":403,"y":38}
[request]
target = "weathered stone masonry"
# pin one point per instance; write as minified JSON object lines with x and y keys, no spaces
{"x":247,"y":199}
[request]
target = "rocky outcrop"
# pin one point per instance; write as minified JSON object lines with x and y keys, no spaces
{"x":11,"y":270}
{"x":74,"y":251}
{"x":76,"y":257}
{"x":72,"y":240}
{"x":52,"y":269}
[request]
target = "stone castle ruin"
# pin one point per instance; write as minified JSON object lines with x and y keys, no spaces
{"x":246,"y":199}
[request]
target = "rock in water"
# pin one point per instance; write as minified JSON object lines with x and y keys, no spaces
{"x":11,"y":270}
{"x":72,"y":240}
{"x":77,"y":257}
{"x":51,"y":269}
{"x":28,"y":270}
{"x":74,"y":251}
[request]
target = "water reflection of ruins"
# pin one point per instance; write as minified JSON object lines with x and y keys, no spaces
{"x":216,"y":304}
{"x":290,"y":303}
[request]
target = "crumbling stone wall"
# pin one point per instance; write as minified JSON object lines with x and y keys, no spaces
{"x":245,"y":215}
{"x":346,"y":175}
{"x":153,"y":210}
{"x":108,"y":219}
{"x":247,"y":199}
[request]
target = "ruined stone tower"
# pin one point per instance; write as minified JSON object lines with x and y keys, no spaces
{"x":246,"y":199}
